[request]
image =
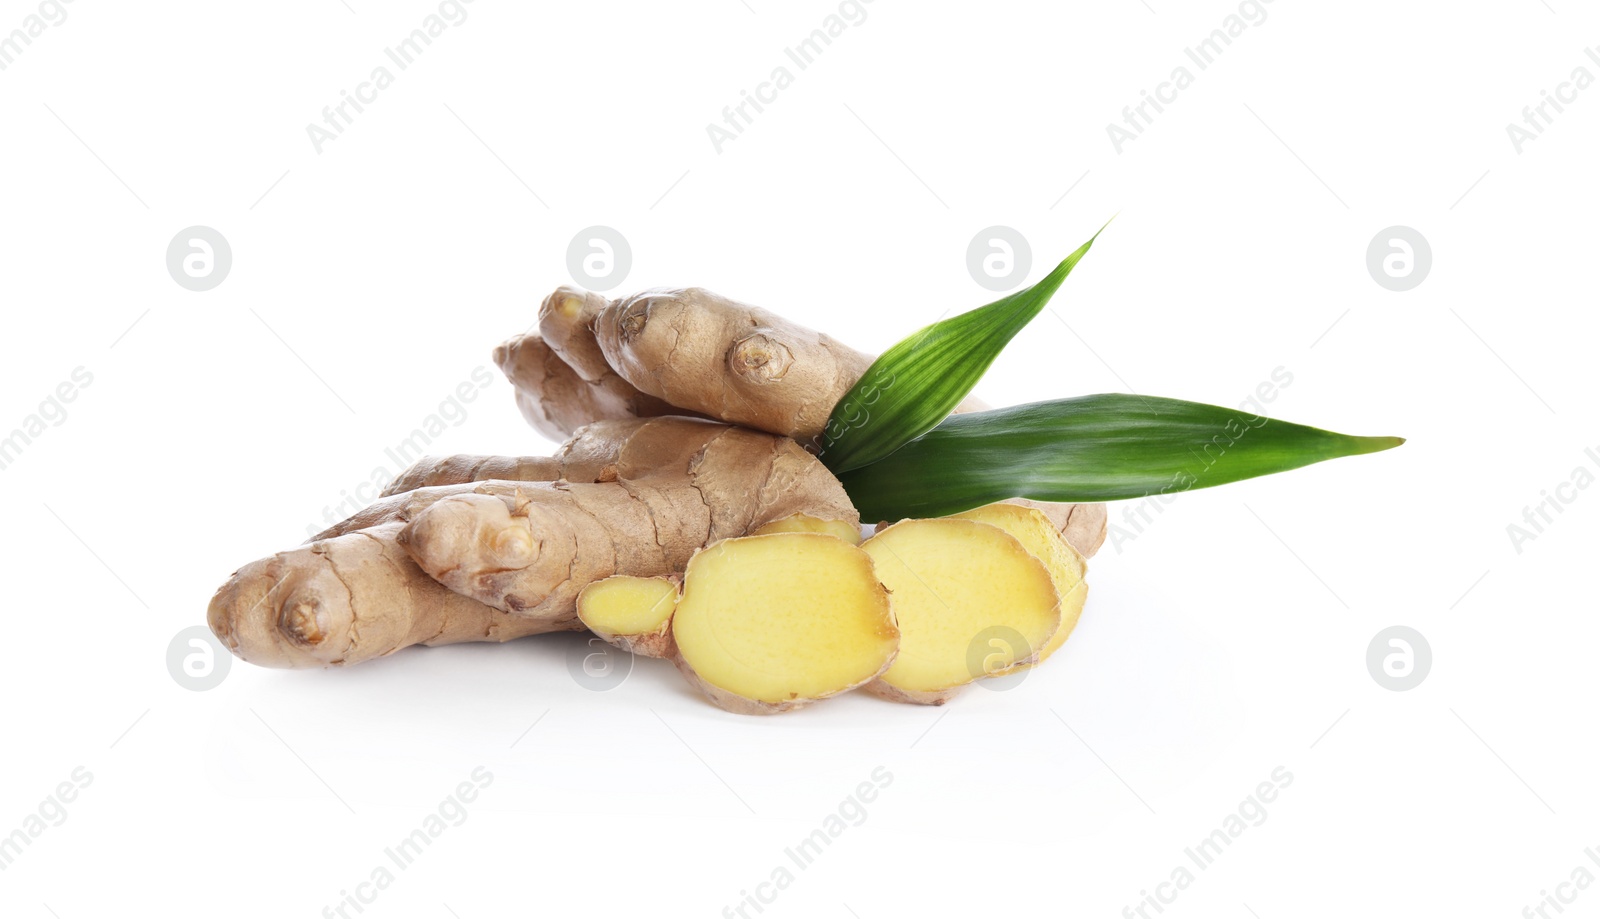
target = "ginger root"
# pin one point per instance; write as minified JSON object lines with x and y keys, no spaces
{"x":346,"y":600}
{"x":556,"y":401}
{"x":712,"y":355}
{"x":354,"y":593}
{"x":433,"y":471}
{"x":706,"y":355}
{"x":601,"y":451}
{"x":566,"y":323}
{"x":768,"y":624}
{"x":531,"y":550}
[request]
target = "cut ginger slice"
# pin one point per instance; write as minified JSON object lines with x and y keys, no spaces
{"x":770,"y":623}
{"x":1041,"y":538}
{"x":805,"y":523}
{"x":971,"y":601}
{"x":634,"y":614}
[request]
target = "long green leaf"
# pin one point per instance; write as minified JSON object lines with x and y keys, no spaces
{"x":1091,"y":448}
{"x":915,"y":384}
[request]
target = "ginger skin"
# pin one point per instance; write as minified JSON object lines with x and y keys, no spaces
{"x":721,"y":358}
{"x":600,"y":451}
{"x":533,"y":550}
{"x":347,"y":600}
{"x":556,"y":401}
{"x":353,"y":593}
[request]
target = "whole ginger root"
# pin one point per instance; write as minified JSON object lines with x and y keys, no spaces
{"x":350,"y":599}
{"x":636,"y":497}
{"x":721,"y":358}
{"x":556,"y":401}
{"x":677,"y":352}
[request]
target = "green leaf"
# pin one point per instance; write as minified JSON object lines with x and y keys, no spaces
{"x":1092,"y":448}
{"x":914,"y":385}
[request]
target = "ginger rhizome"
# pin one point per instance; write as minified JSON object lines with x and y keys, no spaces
{"x":350,"y":599}
{"x":532,"y":551}
{"x":634,"y":497}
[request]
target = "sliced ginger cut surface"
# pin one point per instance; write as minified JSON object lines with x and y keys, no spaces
{"x":1041,"y":538}
{"x":969,"y":598}
{"x":805,"y":523}
{"x":633,"y":613}
{"x":624,"y":605}
{"x":784,"y":618}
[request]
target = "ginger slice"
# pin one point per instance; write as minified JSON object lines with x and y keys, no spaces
{"x":805,"y":523}
{"x":1083,"y":526}
{"x":971,"y":601}
{"x":1039,"y":535}
{"x":633,"y":613}
{"x":771,"y":623}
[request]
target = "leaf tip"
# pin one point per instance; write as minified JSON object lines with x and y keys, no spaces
{"x":1103,"y":227}
{"x":1379,"y":444}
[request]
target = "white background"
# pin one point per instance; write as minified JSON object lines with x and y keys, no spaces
{"x":1224,"y":640}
